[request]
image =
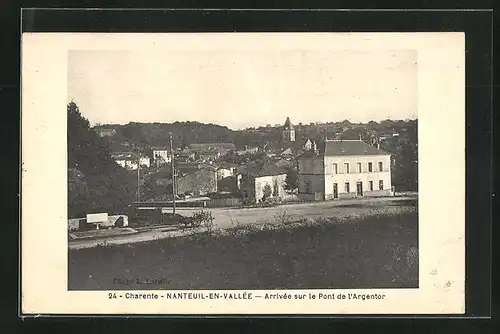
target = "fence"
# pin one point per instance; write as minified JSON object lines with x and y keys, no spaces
{"x":223,"y":202}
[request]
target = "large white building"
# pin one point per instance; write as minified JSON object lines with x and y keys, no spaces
{"x":344,"y":169}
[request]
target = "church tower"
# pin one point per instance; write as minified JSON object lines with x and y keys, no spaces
{"x":288,"y":131}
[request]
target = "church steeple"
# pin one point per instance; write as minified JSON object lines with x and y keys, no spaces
{"x":288,"y":131}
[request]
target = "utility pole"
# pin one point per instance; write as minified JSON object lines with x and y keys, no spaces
{"x":138,"y":176}
{"x":173,"y":174}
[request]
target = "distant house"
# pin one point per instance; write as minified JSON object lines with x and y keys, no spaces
{"x":226,"y":170}
{"x":211,"y":146}
{"x":185,"y":156}
{"x":344,"y":169}
{"x":287,"y":151}
{"x":129,"y":160}
{"x":105,"y":132}
{"x":198,"y":183}
{"x":248,"y":150}
{"x":251,"y":149}
{"x":145,"y":162}
{"x":189,"y":167}
{"x":258,"y":176}
{"x":161,"y":156}
{"x":308,"y":145}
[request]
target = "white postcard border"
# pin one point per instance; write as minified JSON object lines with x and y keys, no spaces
{"x":441,"y":116}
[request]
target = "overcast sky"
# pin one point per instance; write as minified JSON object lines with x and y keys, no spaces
{"x":242,"y":88}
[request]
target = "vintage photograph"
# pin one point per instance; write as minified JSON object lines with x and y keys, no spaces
{"x":242,"y":168}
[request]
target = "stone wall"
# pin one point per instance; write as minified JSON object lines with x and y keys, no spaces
{"x":199,"y":183}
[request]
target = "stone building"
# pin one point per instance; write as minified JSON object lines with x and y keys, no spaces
{"x":258,"y":176}
{"x":344,"y":169}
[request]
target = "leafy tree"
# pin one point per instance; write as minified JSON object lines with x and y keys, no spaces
{"x":267,"y":192}
{"x":291,"y":180}
{"x":99,"y":184}
{"x":134,"y":133}
{"x":405,"y":171}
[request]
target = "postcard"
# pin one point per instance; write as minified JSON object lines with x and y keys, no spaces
{"x":243,"y":173}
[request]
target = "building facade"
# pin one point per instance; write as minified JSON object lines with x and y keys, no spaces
{"x":225,"y":171}
{"x":344,"y":169}
{"x":161,"y":156}
{"x":308,"y":145}
{"x":261,"y":181}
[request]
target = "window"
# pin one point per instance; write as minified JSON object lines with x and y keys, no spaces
{"x":335,"y":170}
{"x":347,"y":187}
{"x":381,"y":185}
{"x":370,"y":167}
{"x":370,"y":183}
{"x":346,"y":167}
{"x":380,"y":166}
{"x":359,"y":167}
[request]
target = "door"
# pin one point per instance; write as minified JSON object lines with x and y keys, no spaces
{"x":335,"y":190}
{"x":359,"y":188}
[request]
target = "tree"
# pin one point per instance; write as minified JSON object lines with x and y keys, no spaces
{"x":291,"y":180}
{"x":276,"y":188}
{"x":96,"y":181}
{"x":267,"y":192}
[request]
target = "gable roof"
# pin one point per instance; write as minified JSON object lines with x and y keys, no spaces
{"x":345,"y":148}
{"x":263,"y":168}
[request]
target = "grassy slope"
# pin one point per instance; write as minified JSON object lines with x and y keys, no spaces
{"x":376,"y":252}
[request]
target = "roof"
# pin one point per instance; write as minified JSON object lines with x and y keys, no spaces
{"x":227,"y":165}
{"x":345,"y":148}
{"x":123,"y":156}
{"x":194,"y":166}
{"x":263,"y":168}
{"x":206,"y":146}
{"x":288,"y":125}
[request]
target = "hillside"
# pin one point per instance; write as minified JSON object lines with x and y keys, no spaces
{"x":399,"y":139}
{"x":185,"y":133}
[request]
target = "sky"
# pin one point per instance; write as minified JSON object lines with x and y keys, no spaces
{"x":244,"y":87}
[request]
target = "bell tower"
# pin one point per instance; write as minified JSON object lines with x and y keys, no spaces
{"x":288,"y":131}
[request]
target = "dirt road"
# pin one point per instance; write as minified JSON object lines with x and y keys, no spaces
{"x":227,"y":218}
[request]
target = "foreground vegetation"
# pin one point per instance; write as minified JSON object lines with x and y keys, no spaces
{"x":371,"y":252}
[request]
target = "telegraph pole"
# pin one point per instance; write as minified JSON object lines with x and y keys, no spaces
{"x":138,"y":176}
{"x":173,"y":174}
